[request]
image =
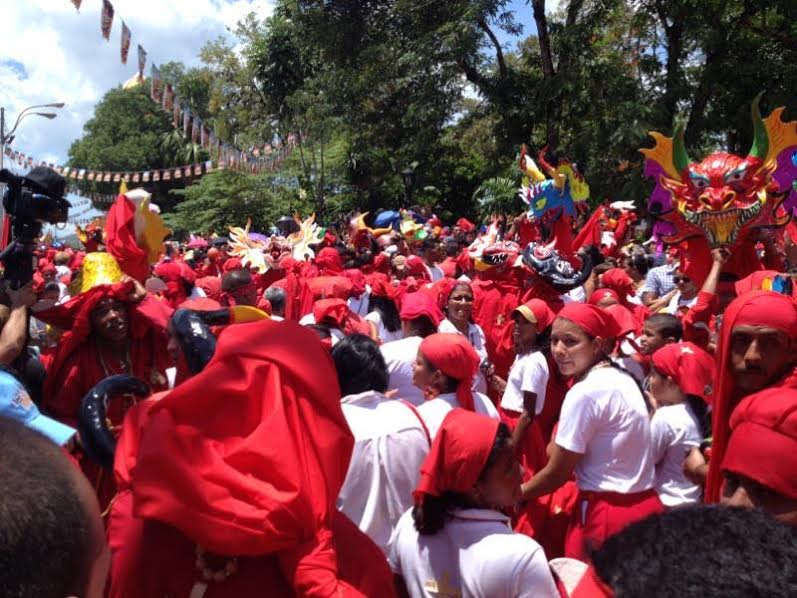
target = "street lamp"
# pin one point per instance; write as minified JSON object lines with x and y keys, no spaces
{"x":408,"y":176}
{"x":7,"y":137}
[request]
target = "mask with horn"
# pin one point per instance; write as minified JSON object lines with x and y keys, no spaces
{"x":551,"y":198}
{"x":550,"y":265}
{"x":724,"y":196}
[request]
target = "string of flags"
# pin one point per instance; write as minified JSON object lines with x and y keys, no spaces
{"x":187,"y":171}
{"x":262,"y":158}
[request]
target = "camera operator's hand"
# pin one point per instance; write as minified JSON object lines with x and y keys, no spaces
{"x":22,"y":297}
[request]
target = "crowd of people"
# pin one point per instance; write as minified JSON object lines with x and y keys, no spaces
{"x":398,"y":413}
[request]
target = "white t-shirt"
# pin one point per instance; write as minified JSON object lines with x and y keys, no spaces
{"x":674,"y":430}
{"x":478,"y":341}
{"x":359,"y":305}
{"x":385,"y":336}
{"x":390,"y":444}
{"x":529,"y":373}
{"x":677,"y":303}
{"x":399,"y":357}
{"x":435,"y":273}
{"x":435,"y":410}
{"x":604,"y":418}
{"x":476,"y":555}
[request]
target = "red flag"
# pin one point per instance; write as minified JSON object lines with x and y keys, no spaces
{"x":120,"y":240}
{"x":591,"y":233}
{"x":106,"y":19}
{"x":125,"y":42}
{"x":155,"y":89}
{"x":142,"y":61}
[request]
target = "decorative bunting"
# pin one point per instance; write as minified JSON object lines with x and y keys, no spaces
{"x":125,"y":42}
{"x":142,"y":61}
{"x":106,"y":19}
{"x":156,"y":89}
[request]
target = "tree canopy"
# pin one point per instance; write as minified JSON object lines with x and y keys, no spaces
{"x":373,"y":87}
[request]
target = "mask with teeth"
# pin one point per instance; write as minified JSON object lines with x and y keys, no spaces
{"x":497,"y":255}
{"x":547,"y":263}
{"x":725,"y":196}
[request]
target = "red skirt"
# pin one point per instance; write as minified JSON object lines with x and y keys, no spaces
{"x":598,"y":515}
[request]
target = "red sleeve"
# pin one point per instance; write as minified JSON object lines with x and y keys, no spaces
{"x":67,"y":391}
{"x":697,"y":320}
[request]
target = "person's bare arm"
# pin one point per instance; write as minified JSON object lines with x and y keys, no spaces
{"x":658,"y":304}
{"x":696,"y":466}
{"x":555,"y":473}
{"x":719,"y":257}
{"x":526,"y":418}
{"x":15,"y":332}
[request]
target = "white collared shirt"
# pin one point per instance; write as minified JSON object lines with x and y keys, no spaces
{"x":434,"y":411}
{"x":399,"y":357}
{"x":476,"y":555}
{"x":390,"y":444}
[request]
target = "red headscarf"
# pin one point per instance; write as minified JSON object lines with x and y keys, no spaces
{"x":210,"y":285}
{"x":597,"y":296}
{"x":232,"y":263}
{"x":358,"y":281}
{"x":247,"y":457}
{"x":338,"y":312}
{"x":466,"y":225}
{"x":415,"y":305}
{"x":417,"y":268}
{"x":626,"y":322}
{"x":756,"y":308}
{"x":453,"y":355}
{"x":537,"y":312}
{"x":763,"y":442}
{"x":688,"y":365}
{"x":171,"y":273}
{"x":593,"y":320}
{"x":458,"y":454}
{"x":618,"y":280}
{"x":382,"y":287}
{"x":329,"y":260}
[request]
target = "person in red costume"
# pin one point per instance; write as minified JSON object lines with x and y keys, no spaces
{"x":329,"y":262}
{"x":228,"y":483}
{"x":603,"y":435}
{"x":760,"y":463}
{"x":111,"y":328}
{"x":755,"y":351}
{"x":621,"y":283}
{"x":178,"y":277}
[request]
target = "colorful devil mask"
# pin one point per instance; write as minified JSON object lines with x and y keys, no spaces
{"x":549,"y":199}
{"x":725,"y":196}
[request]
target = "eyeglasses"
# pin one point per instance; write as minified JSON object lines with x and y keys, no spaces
{"x":680,"y":279}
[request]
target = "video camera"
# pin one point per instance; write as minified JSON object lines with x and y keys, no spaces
{"x":30,"y":201}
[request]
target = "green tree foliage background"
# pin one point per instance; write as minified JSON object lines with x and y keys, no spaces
{"x":377,"y":85}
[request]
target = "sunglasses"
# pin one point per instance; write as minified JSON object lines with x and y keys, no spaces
{"x":679,"y":279}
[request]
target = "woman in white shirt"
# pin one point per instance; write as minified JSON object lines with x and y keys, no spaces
{"x":456,"y":541}
{"x":603,"y":437}
{"x":383,"y":311}
{"x":444,"y":370}
{"x":525,"y":389}
{"x":459,"y":320}
{"x":680,"y":379}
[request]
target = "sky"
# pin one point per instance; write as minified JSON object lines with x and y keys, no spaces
{"x":49,"y":52}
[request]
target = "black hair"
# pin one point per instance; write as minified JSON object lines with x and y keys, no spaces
{"x":428,"y":243}
{"x":275,"y":296}
{"x":387,"y":310}
{"x":701,"y":551}
{"x":234,"y":279}
{"x":45,"y":530}
{"x":667,"y":324}
{"x":360,"y":365}
{"x":321,"y":330}
{"x":421,"y":326}
{"x":432,"y":512}
{"x":640,"y":263}
{"x":452,"y":248}
{"x":51,"y":286}
{"x":700,"y":410}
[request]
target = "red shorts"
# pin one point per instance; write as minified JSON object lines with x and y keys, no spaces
{"x":598,"y":515}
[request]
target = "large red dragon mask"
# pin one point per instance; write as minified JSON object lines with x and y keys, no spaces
{"x":725,"y":196}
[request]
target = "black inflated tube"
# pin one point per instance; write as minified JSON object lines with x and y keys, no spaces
{"x":192,"y":330}
{"x":97,"y":439}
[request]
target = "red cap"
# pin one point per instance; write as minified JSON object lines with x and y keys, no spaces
{"x":688,"y":365}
